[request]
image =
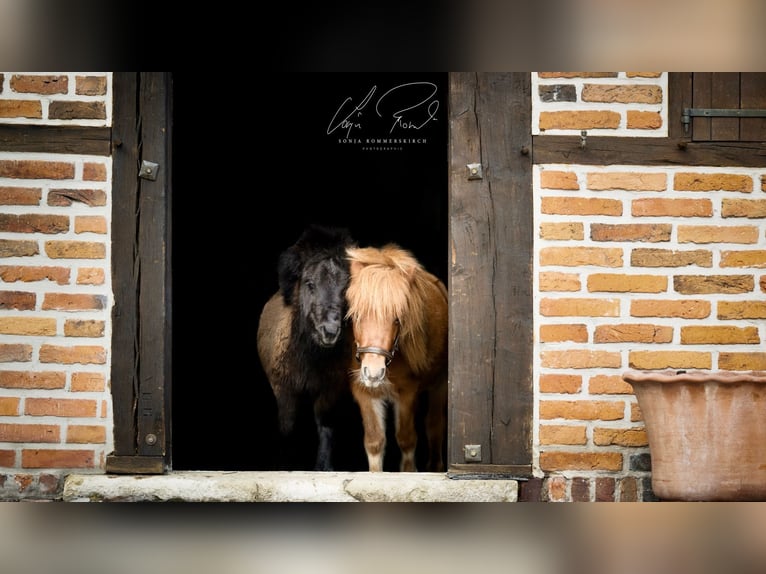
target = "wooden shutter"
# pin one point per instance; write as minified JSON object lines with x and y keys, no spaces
{"x":729,"y":91}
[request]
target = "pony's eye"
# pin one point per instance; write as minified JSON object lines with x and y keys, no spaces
{"x":396,"y":322}
{"x":310,"y":286}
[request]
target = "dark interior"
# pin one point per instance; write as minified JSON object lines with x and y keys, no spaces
{"x":251,"y":168}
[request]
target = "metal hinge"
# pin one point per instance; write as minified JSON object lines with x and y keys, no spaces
{"x":689,"y":113}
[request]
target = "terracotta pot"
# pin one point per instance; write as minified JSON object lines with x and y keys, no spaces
{"x":706,"y":433}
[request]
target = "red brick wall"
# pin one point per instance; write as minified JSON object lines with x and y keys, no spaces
{"x":55,"y":290}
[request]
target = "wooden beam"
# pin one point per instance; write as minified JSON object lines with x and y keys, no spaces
{"x":56,"y":139}
{"x":646,"y":151}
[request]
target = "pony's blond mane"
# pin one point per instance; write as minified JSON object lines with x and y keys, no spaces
{"x":386,"y":284}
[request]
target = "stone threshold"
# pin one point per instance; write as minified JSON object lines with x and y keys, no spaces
{"x":286,"y":486}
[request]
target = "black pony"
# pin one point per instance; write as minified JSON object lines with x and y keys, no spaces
{"x":304,"y":343}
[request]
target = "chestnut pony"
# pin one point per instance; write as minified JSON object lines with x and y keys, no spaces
{"x":398,"y":312}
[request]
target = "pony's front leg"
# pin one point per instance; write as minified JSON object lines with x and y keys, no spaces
{"x":325,"y":438}
{"x":406,"y":433}
{"x":373,"y":411}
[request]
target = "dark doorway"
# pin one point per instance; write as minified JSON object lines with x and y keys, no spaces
{"x":252,"y":167}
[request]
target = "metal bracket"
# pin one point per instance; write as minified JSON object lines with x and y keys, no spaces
{"x":472,"y":452}
{"x":149,"y":170}
{"x":474,"y":171}
{"x":689,"y":113}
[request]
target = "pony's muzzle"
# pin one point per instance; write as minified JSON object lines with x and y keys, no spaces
{"x":372,"y":377}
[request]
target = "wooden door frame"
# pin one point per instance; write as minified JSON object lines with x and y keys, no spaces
{"x":141,"y":277}
{"x":490,"y":279}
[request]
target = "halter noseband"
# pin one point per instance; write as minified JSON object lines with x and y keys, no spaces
{"x":389,"y":355}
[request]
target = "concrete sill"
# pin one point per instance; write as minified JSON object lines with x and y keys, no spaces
{"x":267,"y":486}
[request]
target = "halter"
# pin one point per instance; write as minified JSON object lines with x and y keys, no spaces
{"x":389,"y":355}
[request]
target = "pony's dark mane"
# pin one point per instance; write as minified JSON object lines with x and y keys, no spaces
{"x":390,"y":284}
{"x":316,"y":242}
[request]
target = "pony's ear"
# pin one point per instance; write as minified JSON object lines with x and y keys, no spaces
{"x":289,"y":272}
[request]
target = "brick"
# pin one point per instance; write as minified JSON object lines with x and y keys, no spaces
{"x":32,"y":379}
{"x":643,"y":74}
{"x":15,"y":353}
{"x":557,"y":93}
{"x":622,"y":93}
{"x":579,"y":120}
{"x":581,"y":256}
{"x":581,"y":206}
{"x":67,"y":197}
{"x":661,"y":207}
{"x":42,"y":407}
{"x":649,"y":232}
{"x":567,"y":230}
{"x":75,"y":250}
{"x":578,"y":307}
{"x":20,"y":195}
{"x":628,"y":181}
{"x":29,"y":433}
{"x":717,"y":234}
{"x":556,"y":488}
{"x":635,"y":333}
{"x":635,"y":412}
{"x":609,"y":385}
{"x":554,"y":179}
{"x":605,"y":486}
{"x":90,"y":224}
{"x":562,"y":434}
{"x":74,"y":110}
{"x":73,"y":302}
{"x":83,"y":354}
{"x":33,"y":223}
{"x":719,"y":335}
{"x":552,"y":461}
{"x":92,"y":171}
{"x":7,"y":459}
{"x":12,"y":248}
{"x":17,"y":300}
{"x":741,"y":310}
{"x":712,"y":182}
{"x":682,"y":309}
{"x":580,"y":489}
{"x":623,"y":283}
{"x":697,"y":284}
{"x":28,"y":326}
{"x":669,"y":360}
{"x":84,"y":328}
{"x":580,"y":359}
{"x":42,"y":84}
{"x":632,"y":437}
{"x":755,"y":259}
{"x":36,"y":169}
{"x":639,"y":120}
{"x":29,"y":274}
{"x":30,"y":109}
{"x":649,"y":257}
{"x":557,"y":383}
{"x":628,"y":489}
{"x":576,"y":74}
{"x":751,"y":208}
{"x":57,"y":458}
{"x":87,"y":382}
{"x":90,"y":85}
{"x":560,"y":333}
{"x":90,"y":276}
{"x":9,"y":406}
{"x":742,"y":361}
{"x":553,"y":281}
{"x":86,"y":434}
